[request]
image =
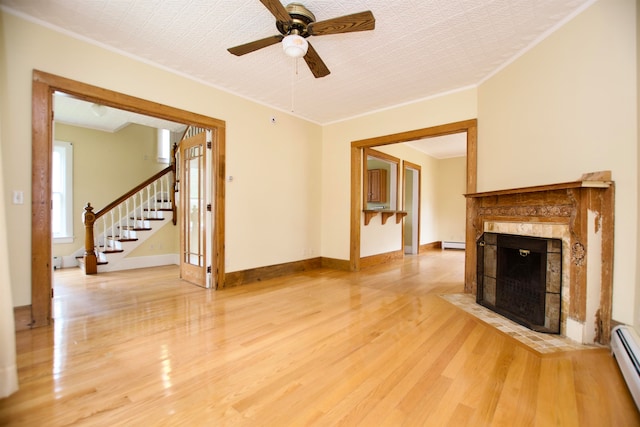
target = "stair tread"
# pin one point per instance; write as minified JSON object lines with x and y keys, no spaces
{"x":112,"y":251}
{"x":147,"y":219}
{"x":81,"y":261}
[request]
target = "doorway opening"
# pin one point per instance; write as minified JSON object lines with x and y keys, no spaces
{"x":357,"y":149}
{"x":44,"y":85}
{"x":411,"y":193}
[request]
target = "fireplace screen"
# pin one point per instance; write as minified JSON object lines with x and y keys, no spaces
{"x":520,"y":278}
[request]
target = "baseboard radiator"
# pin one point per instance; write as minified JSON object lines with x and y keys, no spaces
{"x":452,"y":245}
{"x":625,"y":347}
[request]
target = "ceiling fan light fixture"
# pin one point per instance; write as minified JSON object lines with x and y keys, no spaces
{"x":295,"y":46}
{"x":98,"y":110}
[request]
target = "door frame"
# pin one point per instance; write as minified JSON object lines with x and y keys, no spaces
{"x":415,"y":202}
{"x":43,"y":86}
{"x":357,"y":148}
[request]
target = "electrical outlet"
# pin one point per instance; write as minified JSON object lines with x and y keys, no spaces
{"x":18,"y":197}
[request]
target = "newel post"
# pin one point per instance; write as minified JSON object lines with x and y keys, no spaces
{"x":90,"y":259}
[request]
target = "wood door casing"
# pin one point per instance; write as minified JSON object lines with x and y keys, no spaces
{"x":357,"y":154}
{"x":43,"y":86}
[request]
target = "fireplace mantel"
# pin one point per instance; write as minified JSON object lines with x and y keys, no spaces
{"x":586,"y":207}
{"x":541,"y":188}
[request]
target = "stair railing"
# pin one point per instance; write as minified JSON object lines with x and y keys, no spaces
{"x":142,"y":196}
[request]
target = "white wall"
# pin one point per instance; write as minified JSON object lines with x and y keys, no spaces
{"x":273,"y":204}
{"x":566,"y":107}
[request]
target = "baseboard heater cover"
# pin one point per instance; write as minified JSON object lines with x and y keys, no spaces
{"x":452,"y":245}
{"x":625,"y":347}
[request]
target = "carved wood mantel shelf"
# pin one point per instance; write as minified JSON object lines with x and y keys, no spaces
{"x":586,"y":208}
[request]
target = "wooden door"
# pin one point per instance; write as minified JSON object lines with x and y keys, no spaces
{"x":194,"y":221}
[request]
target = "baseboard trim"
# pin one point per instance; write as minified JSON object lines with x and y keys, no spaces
{"x":237,"y":278}
{"x":22,"y":317}
{"x":336,"y":264}
{"x":140,"y":262}
{"x":374,"y":260}
{"x":430,"y":246}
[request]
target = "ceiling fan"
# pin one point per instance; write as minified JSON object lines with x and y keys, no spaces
{"x":295,"y":23}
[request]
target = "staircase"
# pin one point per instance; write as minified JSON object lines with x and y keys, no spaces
{"x":132,"y":218}
{"x":124,"y":224}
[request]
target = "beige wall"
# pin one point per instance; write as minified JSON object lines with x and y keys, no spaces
{"x":273,"y":204}
{"x":637,"y":296}
{"x":452,"y":204}
{"x":164,"y":241}
{"x":378,"y":238}
{"x":105,"y":165}
{"x":566,"y":107}
{"x":336,"y":166}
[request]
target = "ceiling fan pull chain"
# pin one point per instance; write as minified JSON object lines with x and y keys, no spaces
{"x":293,"y":82}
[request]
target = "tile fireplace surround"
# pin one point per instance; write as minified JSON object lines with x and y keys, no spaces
{"x":578,"y":212}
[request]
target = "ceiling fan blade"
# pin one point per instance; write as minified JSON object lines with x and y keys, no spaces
{"x":277,"y":9}
{"x":315,"y":63}
{"x":243,"y":49}
{"x":362,"y":21}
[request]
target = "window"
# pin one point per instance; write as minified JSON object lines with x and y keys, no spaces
{"x":164,"y":145}
{"x":62,"y":192}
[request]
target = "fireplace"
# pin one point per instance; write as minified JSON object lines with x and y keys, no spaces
{"x":520,"y":277}
{"x":580,"y":214}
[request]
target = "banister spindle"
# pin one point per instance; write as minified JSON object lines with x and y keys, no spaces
{"x":135,"y":209}
{"x":126,"y":213}
{"x":162,"y":181}
{"x":113,"y":225}
{"x":141,"y":208}
{"x":148,"y":199}
{"x":120,"y":229}
{"x":155,"y":196}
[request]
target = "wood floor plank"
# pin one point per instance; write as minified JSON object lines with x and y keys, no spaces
{"x":321,"y":347}
{"x":518,"y":400}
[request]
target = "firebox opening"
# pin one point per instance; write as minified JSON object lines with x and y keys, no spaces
{"x":520,"y":278}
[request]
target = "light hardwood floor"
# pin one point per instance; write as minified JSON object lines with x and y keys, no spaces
{"x":375,"y":348}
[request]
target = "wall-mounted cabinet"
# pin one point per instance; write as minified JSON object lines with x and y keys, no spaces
{"x":380,"y":180}
{"x":381,"y":174}
{"x":377,"y":186}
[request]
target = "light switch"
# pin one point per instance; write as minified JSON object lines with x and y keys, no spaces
{"x":18,"y":197}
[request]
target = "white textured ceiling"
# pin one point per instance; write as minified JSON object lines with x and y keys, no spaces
{"x":442,"y":147}
{"x":73,"y":111}
{"x":419,"y":48}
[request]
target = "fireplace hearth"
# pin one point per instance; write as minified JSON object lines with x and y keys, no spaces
{"x":520,"y":277}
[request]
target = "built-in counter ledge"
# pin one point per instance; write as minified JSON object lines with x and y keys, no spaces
{"x":370,"y":213}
